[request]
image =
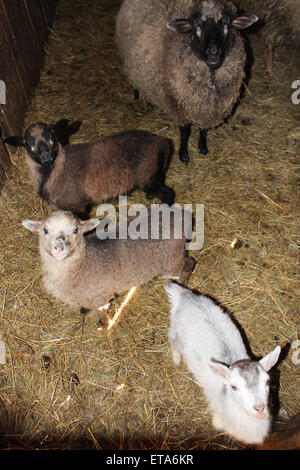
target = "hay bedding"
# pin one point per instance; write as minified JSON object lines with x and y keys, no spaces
{"x":68,"y":386}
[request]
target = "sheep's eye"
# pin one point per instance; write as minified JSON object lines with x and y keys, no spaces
{"x":234,"y":387}
{"x":75,"y":230}
{"x":46,"y":231}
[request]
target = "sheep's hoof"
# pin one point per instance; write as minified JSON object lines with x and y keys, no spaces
{"x":203,"y":150}
{"x":103,"y":322}
{"x":184,"y":157}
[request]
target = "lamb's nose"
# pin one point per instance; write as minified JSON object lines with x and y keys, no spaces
{"x":259,"y":408}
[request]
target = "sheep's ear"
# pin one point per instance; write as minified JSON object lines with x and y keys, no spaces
{"x":270,"y":359}
{"x":14,"y":141}
{"x":244,"y":21}
{"x":32,"y":225}
{"x":60,"y":126}
{"x":219,"y":368}
{"x":88,"y":225}
{"x":180,"y":25}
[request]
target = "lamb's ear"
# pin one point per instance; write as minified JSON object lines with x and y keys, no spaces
{"x":219,"y":368}
{"x":270,"y":359}
{"x":60,"y":126}
{"x":88,"y":225}
{"x":244,"y":21}
{"x":15,"y":141}
{"x":181,"y":25}
{"x":32,"y":225}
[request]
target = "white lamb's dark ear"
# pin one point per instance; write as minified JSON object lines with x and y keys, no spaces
{"x":32,"y":225}
{"x":244,"y":21}
{"x":88,"y":225}
{"x":15,"y":141}
{"x":181,"y":25}
{"x":219,"y":368}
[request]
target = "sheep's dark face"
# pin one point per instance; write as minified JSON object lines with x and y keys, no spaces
{"x":40,"y":141}
{"x":211,"y":36}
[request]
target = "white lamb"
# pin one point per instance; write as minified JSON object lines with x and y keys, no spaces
{"x":236,"y":387}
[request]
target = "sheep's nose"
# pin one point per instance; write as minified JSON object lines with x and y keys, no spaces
{"x":213,"y":49}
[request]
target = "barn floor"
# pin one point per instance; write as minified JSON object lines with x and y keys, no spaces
{"x":66,"y":385}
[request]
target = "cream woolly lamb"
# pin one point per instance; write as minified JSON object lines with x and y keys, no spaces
{"x":85,"y":272}
{"x":186,"y":57}
{"x":236,"y":387}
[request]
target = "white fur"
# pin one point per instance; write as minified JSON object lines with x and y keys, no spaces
{"x":205,"y":336}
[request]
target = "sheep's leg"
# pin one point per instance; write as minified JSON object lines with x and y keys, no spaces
{"x":202,"y":146}
{"x":187,"y":270}
{"x":185,"y":132}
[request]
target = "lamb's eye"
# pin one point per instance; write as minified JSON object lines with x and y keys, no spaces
{"x":234,"y":387}
{"x":75,"y":230}
{"x":46,"y":231}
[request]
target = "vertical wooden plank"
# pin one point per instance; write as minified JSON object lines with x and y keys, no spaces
{"x":23,"y":32}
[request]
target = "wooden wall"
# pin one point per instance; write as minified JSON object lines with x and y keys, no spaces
{"x":24,"y":27}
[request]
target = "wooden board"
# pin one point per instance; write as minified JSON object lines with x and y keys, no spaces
{"x":24,"y":27}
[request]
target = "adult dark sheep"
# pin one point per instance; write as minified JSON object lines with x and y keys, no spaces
{"x":186,"y":57}
{"x":280,"y":24}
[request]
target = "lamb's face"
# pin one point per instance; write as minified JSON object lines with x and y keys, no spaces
{"x":41,"y":143}
{"x":247,"y":382}
{"x":61,"y":234}
{"x":248,"y":385}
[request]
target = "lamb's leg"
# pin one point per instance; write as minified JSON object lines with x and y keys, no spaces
{"x":268,"y":57}
{"x":217,"y":422}
{"x":187,"y":270}
{"x":185,"y":132}
{"x":156,"y":186}
{"x":202,"y":146}
{"x":176,"y":355}
{"x":103,"y":317}
{"x":84,"y":311}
